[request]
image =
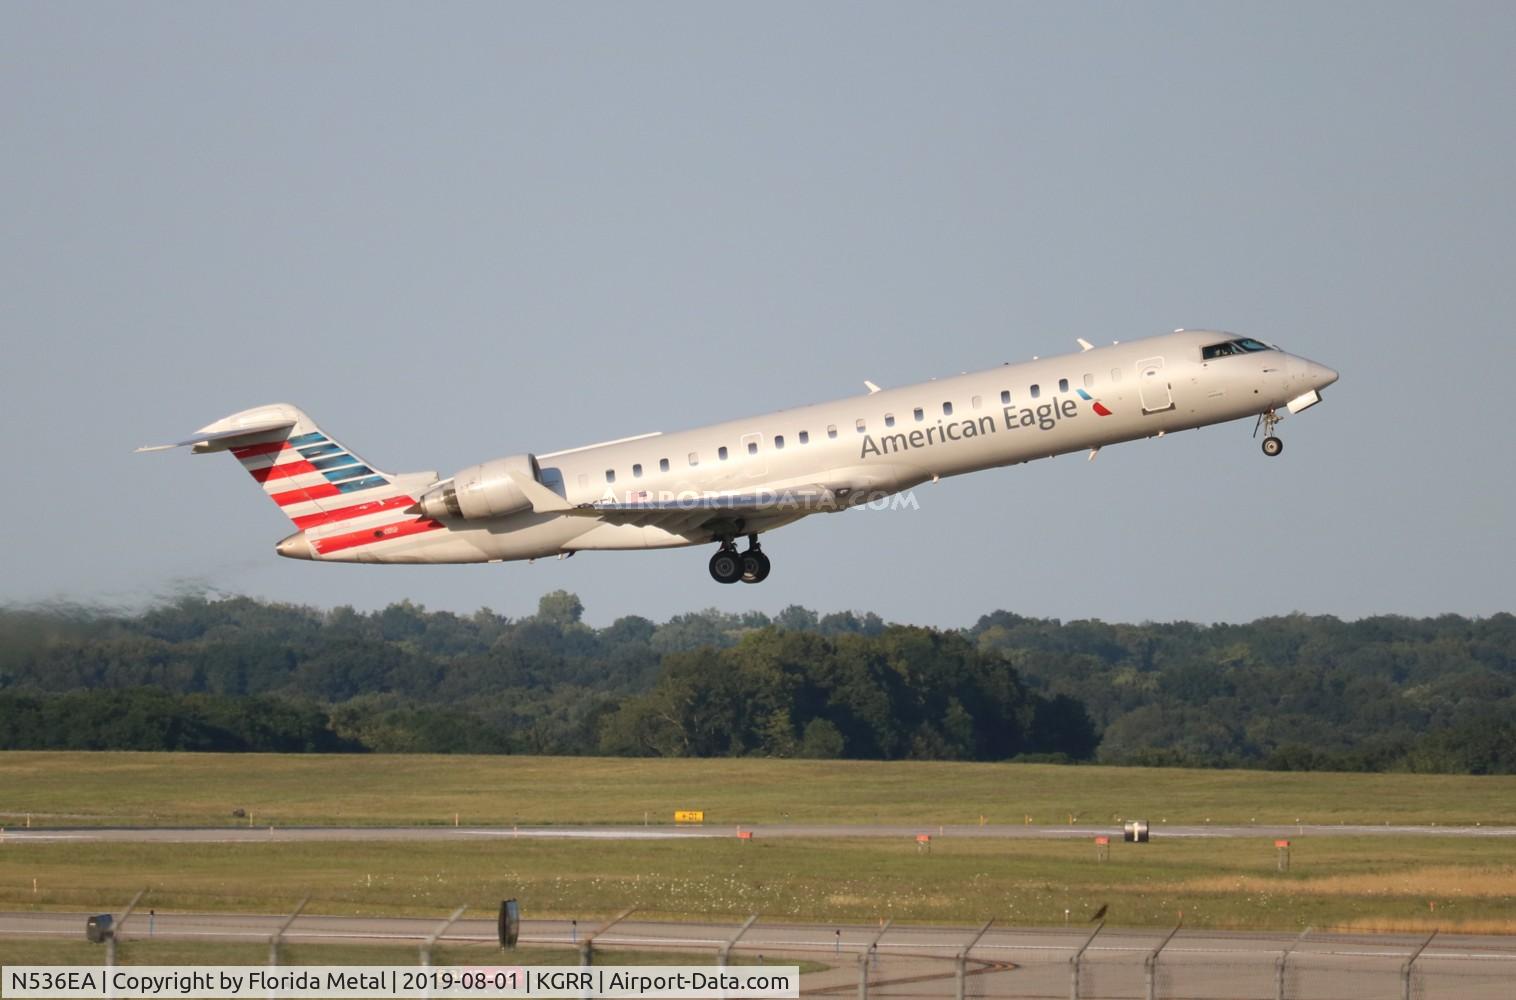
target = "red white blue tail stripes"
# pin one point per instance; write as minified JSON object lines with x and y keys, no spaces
{"x":331,"y":494}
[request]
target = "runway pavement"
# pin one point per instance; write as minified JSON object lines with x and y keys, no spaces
{"x":825,"y":831}
{"x":919,"y":961}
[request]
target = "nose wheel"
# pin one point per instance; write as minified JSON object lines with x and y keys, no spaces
{"x":728,"y":565}
{"x":1268,"y":420}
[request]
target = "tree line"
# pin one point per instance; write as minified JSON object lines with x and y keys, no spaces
{"x":1296,"y":693}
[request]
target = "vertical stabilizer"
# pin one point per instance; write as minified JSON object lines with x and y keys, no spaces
{"x":336,"y":499}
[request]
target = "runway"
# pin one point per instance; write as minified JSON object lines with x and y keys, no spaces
{"x":818,"y":831}
{"x":916,"y":961}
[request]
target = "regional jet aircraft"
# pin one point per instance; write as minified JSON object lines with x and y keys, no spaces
{"x":738,"y":479}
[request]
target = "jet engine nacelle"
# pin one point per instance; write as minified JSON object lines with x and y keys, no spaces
{"x":482,"y":491}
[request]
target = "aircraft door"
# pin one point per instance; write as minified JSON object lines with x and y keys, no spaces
{"x":755,"y":464}
{"x":1154,"y":387}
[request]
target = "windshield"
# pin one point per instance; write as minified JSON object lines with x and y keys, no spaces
{"x":1242,"y":345}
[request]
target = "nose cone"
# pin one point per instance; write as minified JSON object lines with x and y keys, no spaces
{"x":1308,"y":375}
{"x":1320,"y":376}
{"x":296,"y":546}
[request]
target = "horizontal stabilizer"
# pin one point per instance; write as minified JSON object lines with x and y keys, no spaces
{"x":224,"y":438}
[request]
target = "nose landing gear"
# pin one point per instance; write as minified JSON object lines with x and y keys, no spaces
{"x":1268,"y":420}
{"x":729,"y":566}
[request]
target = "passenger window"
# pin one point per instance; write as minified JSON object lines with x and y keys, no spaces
{"x":721,"y":453}
{"x":663,"y":465}
{"x":1036,"y":391}
{"x":778,"y":441}
{"x":694,"y":458}
{"x":947,"y":409}
{"x":610,"y":475}
{"x":805,"y":437}
{"x":976,"y":402}
{"x":861,"y":426}
{"x":831,"y":430}
{"x":889,"y":420}
{"x":1005,"y":397}
{"x":637,"y":471}
{"x":1063,"y":385}
{"x":920,"y":414}
{"x":1089,"y":381}
{"x":752,"y":447}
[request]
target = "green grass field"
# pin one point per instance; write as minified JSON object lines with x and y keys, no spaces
{"x":1348,"y":882}
{"x":1360,"y":882}
{"x":74,"y":789}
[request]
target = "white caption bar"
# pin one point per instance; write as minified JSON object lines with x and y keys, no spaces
{"x":400,"y":982}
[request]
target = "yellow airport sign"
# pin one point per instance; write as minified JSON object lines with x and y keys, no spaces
{"x":689,"y":816}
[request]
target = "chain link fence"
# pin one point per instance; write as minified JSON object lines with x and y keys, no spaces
{"x":889,"y":960}
{"x":885,"y":960}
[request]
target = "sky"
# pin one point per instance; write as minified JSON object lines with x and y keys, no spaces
{"x":457,"y":232}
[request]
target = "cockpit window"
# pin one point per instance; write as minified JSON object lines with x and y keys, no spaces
{"x":1242,"y":345}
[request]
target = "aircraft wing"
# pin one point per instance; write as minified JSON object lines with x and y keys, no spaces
{"x":765,"y":501}
{"x":768,"y":504}
{"x":685,"y":514}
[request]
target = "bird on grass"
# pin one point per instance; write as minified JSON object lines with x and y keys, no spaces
{"x":1100,"y":913}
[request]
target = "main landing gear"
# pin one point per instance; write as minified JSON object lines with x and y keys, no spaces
{"x":728,"y":565}
{"x":1268,"y":420}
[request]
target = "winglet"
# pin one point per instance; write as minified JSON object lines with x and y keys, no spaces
{"x":1084,"y":345}
{"x":544,"y":500}
{"x":871,"y":387}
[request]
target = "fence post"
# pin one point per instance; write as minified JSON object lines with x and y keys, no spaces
{"x":863,"y":959}
{"x":426,"y":948}
{"x":273,"y":941}
{"x":1074,"y":962}
{"x":961,"y":973}
{"x":726,"y":949}
{"x":1151,"y":963}
{"x":1405,"y":970}
{"x":587,"y":946}
{"x":116,"y":925}
{"x":1283,"y":960}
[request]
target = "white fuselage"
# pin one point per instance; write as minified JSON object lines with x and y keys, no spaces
{"x":876,"y":443}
